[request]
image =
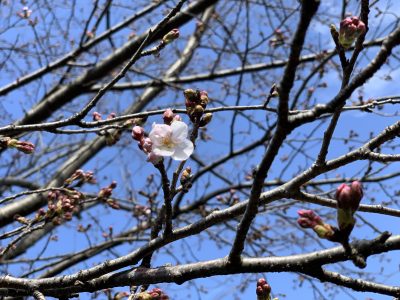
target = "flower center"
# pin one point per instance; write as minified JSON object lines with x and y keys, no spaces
{"x":167,"y":142}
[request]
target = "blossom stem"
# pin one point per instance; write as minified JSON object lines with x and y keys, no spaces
{"x":167,"y":198}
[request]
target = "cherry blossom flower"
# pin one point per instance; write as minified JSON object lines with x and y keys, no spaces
{"x":171,"y":140}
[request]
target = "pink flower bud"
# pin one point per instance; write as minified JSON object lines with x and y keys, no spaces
{"x":309,"y":219}
{"x":168,"y":116}
{"x":170,"y":36}
{"x":310,"y":215}
{"x":204,"y":99}
{"x":263,"y":289}
{"x":350,"y":29}
{"x":261,"y":281}
{"x":111,"y":116}
{"x":26,"y":147}
{"x":306,"y":223}
{"x":349,"y":197}
{"x":96,"y":116}
{"x":137,"y":133}
{"x":146,"y":144}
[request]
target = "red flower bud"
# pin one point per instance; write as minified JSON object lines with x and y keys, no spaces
{"x":168,"y":116}
{"x":350,"y":29}
{"x":146,"y":145}
{"x":349,"y":197}
{"x":96,"y":116}
{"x":137,"y":133}
{"x":263,"y":289}
{"x":309,"y":219}
{"x":26,"y":147}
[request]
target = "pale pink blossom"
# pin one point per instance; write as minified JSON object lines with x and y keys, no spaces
{"x":171,"y":140}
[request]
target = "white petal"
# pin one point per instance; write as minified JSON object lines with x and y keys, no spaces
{"x":179,"y":131}
{"x":159,"y":132}
{"x":183,"y":150}
{"x":163,"y":151}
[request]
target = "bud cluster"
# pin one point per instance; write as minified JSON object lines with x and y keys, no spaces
{"x":154,"y":294}
{"x":196,"y":102}
{"x":25,"y":147}
{"x":25,"y":13}
{"x":141,"y":211}
{"x":80,"y":177}
{"x":61,"y":205}
{"x":278,"y":39}
{"x":98,"y":117}
{"x":105,"y":194}
{"x":263,"y":290}
{"x":348,"y":199}
{"x":169,"y":117}
{"x":350,"y":29}
{"x":186,"y":179}
{"x":309,"y":219}
{"x":145,"y":144}
{"x":112,"y":137}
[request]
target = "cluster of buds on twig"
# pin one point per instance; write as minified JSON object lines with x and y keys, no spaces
{"x":169,"y":116}
{"x":348,"y":199}
{"x":80,"y":177}
{"x":196,"y":102}
{"x":350,"y":29}
{"x":141,"y":211}
{"x":25,"y":13}
{"x":263,"y":290}
{"x":145,"y":144}
{"x":167,"y":39}
{"x":105,"y":194}
{"x":112,"y":136}
{"x":154,"y":294}
{"x":22,"y":220}
{"x":61,"y":205}
{"x":309,"y":219}
{"x":278,"y":39}
{"x":26,"y":147}
{"x":186,"y":179}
